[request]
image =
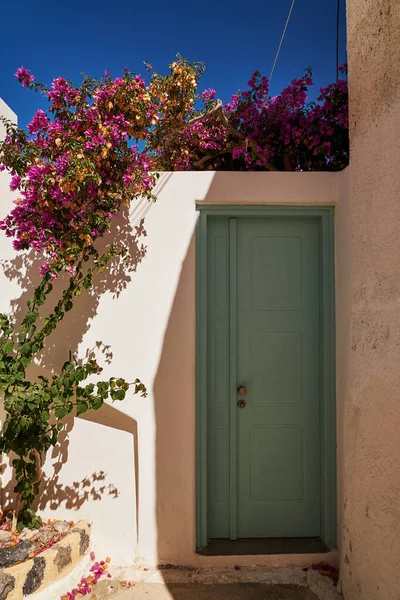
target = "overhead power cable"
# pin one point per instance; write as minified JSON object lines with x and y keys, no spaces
{"x":280,"y":43}
{"x":337,"y":37}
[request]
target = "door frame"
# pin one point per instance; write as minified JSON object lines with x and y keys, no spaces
{"x":325,"y":218}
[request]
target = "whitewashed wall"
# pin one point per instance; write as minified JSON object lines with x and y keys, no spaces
{"x":8,"y":288}
{"x":130,"y":467}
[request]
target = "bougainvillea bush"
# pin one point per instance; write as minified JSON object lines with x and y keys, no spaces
{"x":96,"y":149}
{"x":258,"y":132}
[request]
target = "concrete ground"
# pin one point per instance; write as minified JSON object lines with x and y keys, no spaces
{"x":247,"y":583}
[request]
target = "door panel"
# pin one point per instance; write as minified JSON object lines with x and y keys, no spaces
{"x":272,"y":445}
{"x":278,"y":453}
{"x":218,"y":401}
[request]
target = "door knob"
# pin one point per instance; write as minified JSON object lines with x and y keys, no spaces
{"x":241,"y":403}
{"x":242,"y":390}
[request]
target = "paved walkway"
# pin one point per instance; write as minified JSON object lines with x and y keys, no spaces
{"x":252,"y":583}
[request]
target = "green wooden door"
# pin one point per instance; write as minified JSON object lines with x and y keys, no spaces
{"x":263,"y":334}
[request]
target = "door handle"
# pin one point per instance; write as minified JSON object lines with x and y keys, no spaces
{"x":242,"y":390}
{"x":241,"y":403}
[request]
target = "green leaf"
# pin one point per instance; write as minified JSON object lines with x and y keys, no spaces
{"x":96,"y":402}
{"x":88,"y":389}
{"x":68,"y":305}
{"x":87,"y":281}
{"x":45,"y":416}
{"x":31,"y":317}
{"x":68,"y":366}
{"x":118,"y":394}
{"x":80,"y":374}
{"x":8,"y":347}
{"x":61,"y":412}
{"x":81,"y":407}
{"x":26,"y":350}
{"x":40,"y":298}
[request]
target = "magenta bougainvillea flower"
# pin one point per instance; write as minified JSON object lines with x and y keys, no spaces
{"x":24,"y":76}
{"x":85,"y":586}
{"x":95,"y":148}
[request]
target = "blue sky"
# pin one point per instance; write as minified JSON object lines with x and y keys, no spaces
{"x":58,"y":38}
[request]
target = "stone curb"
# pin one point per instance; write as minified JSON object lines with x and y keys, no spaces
{"x":48,"y":567}
{"x":322,"y":586}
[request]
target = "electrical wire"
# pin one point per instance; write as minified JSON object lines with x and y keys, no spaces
{"x":337,"y":37}
{"x":280,"y":43}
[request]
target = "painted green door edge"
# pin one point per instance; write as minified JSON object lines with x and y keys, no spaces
{"x":325,"y":216}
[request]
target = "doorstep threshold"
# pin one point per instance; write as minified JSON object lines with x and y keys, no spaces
{"x":263,"y":546}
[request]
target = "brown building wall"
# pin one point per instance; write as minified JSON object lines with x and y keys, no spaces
{"x":371,"y":523}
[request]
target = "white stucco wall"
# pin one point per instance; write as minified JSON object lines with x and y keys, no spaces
{"x":8,"y":288}
{"x":151,"y":331}
{"x":130,"y":468}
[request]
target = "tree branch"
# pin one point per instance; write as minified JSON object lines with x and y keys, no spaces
{"x":217,"y":108}
{"x":201,"y":161}
{"x":38,"y":466}
{"x":15,"y":513}
{"x":287,"y":163}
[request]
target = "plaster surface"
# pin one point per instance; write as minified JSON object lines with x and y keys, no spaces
{"x":371,"y":532}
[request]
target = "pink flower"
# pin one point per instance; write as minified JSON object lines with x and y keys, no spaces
{"x":15,"y":182}
{"x":208,"y":95}
{"x":44,"y":268}
{"x":24,"y":76}
{"x":39,"y":121}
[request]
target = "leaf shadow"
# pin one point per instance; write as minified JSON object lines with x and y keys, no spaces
{"x":23,"y":269}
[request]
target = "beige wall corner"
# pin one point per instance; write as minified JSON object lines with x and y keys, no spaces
{"x":371,"y":532}
{"x":343,"y":274}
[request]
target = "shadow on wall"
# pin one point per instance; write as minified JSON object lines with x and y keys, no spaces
{"x":24,"y":270}
{"x":175,"y":406}
{"x":175,"y":381}
{"x":175,"y":422}
{"x":173,"y":389}
{"x":53,"y":493}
